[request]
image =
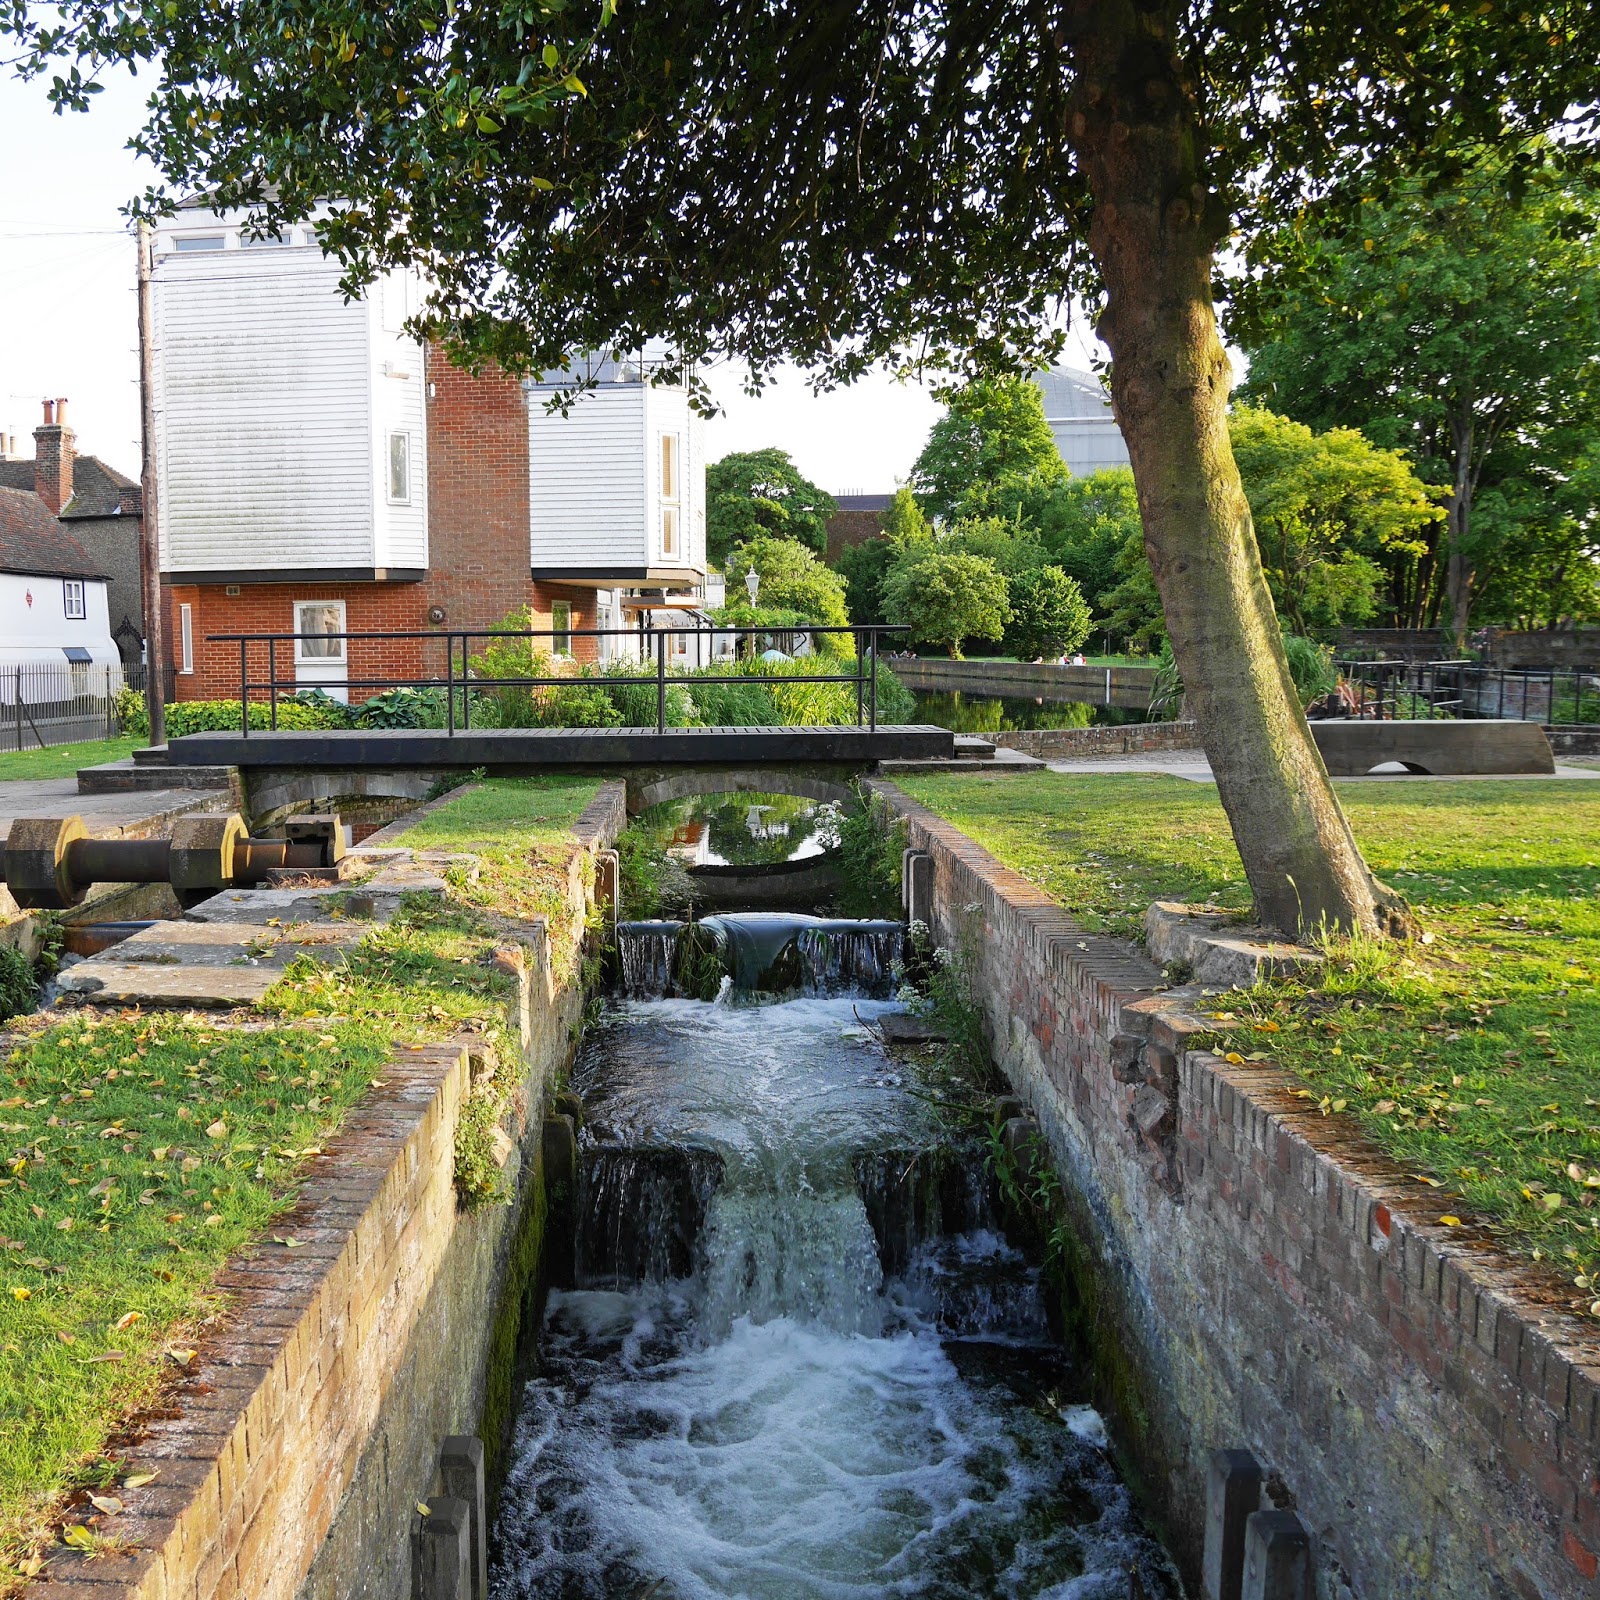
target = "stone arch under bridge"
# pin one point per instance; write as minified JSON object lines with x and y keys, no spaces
{"x":651,"y":786}
{"x":272,"y":793}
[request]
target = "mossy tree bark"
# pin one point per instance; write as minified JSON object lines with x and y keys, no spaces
{"x":1154,"y":231}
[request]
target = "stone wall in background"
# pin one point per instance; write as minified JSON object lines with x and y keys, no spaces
{"x":1132,"y":738}
{"x":1249,"y":1274}
{"x":1128,"y":687}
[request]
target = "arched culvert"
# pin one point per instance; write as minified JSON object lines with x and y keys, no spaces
{"x":646,"y":789}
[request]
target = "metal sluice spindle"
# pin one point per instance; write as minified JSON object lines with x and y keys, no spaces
{"x":51,"y":862}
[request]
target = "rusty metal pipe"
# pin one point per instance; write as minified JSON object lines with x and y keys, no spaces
{"x":119,"y":860}
{"x":253,"y":859}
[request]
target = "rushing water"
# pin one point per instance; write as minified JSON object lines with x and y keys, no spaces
{"x":774,"y":951}
{"x":800,"y":1364}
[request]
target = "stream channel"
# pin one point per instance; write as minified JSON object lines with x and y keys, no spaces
{"x":800,"y":1359}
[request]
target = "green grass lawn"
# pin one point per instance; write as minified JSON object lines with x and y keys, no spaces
{"x":1473,"y":1060}
{"x":139,"y":1154}
{"x":63,"y":760}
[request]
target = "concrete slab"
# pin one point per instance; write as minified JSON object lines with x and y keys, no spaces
{"x":140,"y":815}
{"x":204,"y":964}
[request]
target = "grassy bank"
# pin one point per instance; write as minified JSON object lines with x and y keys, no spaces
{"x":140,"y":1153}
{"x":63,"y":760}
{"x":1471,"y":1059}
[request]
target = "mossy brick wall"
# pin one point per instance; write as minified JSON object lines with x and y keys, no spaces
{"x":1251,"y":1279}
{"x":312,"y":1424}
{"x":1130,"y":739}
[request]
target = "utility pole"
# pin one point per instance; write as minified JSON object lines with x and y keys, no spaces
{"x":155,"y":678}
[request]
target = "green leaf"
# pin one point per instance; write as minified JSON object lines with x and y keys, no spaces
{"x":551,"y":55}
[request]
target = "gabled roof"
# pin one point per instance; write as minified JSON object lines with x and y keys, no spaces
{"x":1072,"y":396}
{"x":33,"y":542}
{"x":98,"y":490}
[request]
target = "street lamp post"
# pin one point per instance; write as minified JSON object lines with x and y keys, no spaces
{"x":752,"y":582}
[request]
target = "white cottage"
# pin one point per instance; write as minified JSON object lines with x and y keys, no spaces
{"x":55,"y":625}
{"x":617,"y":477}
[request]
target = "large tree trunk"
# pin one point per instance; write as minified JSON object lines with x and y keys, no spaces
{"x":1458,"y":513}
{"x":1133,"y":125}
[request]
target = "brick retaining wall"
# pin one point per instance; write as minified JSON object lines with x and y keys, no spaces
{"x":1128,"y":686}
{"x":1130,"y":739}
{"x":1261,"y":1277}
{"x":312,"y":1424}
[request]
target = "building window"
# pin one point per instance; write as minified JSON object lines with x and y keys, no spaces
{"x":265,"y":242}
{"x":561,"y":627}
{"x":195,"y":241}
{"x":400,"y":469}
{"x":72,"y":597}
{"x":320,"y":624}
{"x":671,"y":487}
{"x":185,"y":638}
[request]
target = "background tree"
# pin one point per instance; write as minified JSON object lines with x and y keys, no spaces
{"x":864,"y":566}
{"x":945,"y":597}
{"x":993,"y":430}
{"x":763,"y":492}
{"x":1049,"y":615}
{"x":1459,"y":326}
{"x":721,"y":178}
{"x":793,"y":581}
{"x":1326,"y":507}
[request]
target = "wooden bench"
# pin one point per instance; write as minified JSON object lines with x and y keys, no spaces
{"x":1351,"y":748}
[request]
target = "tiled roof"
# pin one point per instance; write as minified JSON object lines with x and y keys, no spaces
{"x":863,"y":502}
{"x":97,"y":490}
{"x":32,"y":541}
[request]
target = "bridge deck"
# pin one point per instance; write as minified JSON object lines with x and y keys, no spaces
{"x":512,"y":749}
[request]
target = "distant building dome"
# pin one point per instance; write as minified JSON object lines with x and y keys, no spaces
{"x":1078,"y":411}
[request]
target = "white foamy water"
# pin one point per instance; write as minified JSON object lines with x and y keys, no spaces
{"x":782,"y":1425}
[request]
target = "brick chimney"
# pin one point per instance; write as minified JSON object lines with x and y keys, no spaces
{"x":52,"y":456}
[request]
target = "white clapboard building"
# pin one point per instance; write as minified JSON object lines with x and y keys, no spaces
{"x":321,"y":472}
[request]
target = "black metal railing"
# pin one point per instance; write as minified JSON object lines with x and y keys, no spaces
{"x":460,"y":682}
{"x":1392,"y":688}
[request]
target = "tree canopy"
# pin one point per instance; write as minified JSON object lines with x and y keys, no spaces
{"x":848,"y":184}
{"x":793,"y":581}
{"x":947,"y":597}
{"x":1326,"y":506}
{"x":992,"y":433}
{"x":1465,"y":330}
{"x":763,"y":492}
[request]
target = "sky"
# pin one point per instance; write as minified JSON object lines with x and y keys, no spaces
{"x":67,"y":287}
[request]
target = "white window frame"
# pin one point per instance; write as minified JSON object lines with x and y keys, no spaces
{"x":186,"y":640}
{"x":342,"y":645}
{"x":75,"y":599}
{"x":388,"y":467}
{"x":671,"y":465}
{"x":561,"y":628}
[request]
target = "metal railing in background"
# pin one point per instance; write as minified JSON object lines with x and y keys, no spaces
{"x":44,"y":704}
{"x":1391,"y":688}
{"x":460,"y":682}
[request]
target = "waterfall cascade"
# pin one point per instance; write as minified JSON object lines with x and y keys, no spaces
{"x":763,"y":953}
{"x":799,"y":1361}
